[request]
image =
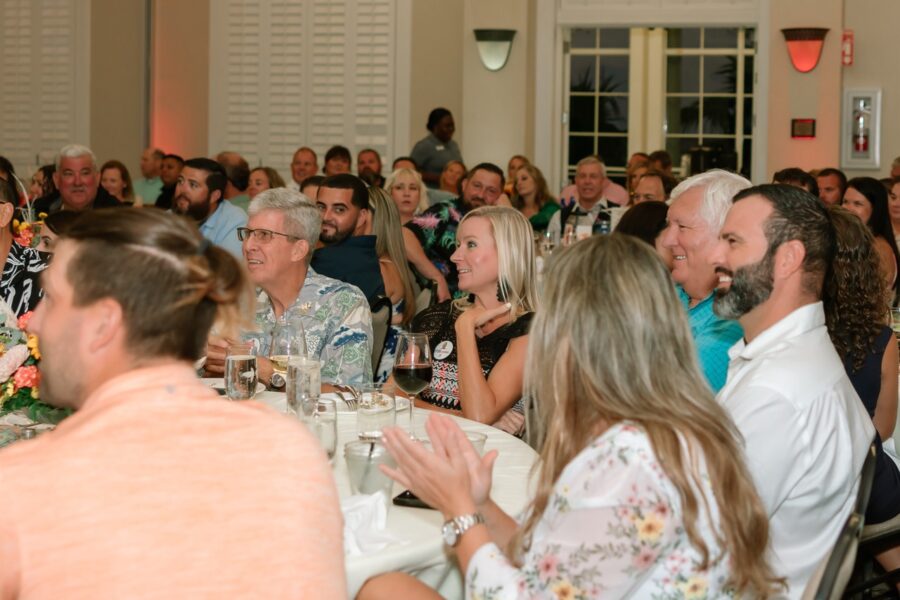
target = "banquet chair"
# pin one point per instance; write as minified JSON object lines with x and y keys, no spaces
{"x":425,"y":297}
{"x":381,"y":322}
{"x":831,"y":577}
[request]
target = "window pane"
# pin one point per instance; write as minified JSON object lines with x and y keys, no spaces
{"x":682,"y":74}
{"x":581,"y":114}
{"x":683,"y":38}
{"x":720,"y":38}
{"x":749,"y":38}
{"x":614,"y":74}
{"x":747,"y":158}
{"x":719,"y":74}
{"x":584,"y":74}
{"x":613,"y":114}
{"x":614,"y":38}
{"x":678,"y":146}
{"x":584,"y":38}
{"x":724,"y":154}
{"x":719,"y":115}
{"x":613,"y":150}
{"x":748,"y":75}
{"x":682,"y":115}
{"x":748,"y":116}
{"x":579,"y":147}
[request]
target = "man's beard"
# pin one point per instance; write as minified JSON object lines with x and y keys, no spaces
{"x":334,"y":238}
{"x":198,"y":212}
{"x":751,"y":285}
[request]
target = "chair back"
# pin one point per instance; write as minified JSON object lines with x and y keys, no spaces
{"x":381,"y":321}
{"x":425,"y":297}
{"x":832,"y":575}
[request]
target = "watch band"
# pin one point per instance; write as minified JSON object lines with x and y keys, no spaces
{"x":459,"y":525}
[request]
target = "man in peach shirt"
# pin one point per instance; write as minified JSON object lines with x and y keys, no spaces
{"x":156,"y":487}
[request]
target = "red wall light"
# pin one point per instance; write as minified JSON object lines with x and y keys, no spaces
{"x":805,"y":46}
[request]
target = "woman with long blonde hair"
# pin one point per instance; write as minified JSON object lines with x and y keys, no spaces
{"x":479,"y":342}
{"x":641,"y":491}
{"x":398,"y":279}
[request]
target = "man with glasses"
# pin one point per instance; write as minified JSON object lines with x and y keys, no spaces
{"x":436,"y":227}
{"x":278,"y":244}
{"x":199,"y":195}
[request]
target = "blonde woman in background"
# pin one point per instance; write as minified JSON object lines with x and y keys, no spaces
{"x":398,"y":279}
{"x":410,"y":195}
{"x":642,"y":491}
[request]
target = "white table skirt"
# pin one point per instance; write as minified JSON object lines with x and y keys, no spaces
{"x":423,"y":554}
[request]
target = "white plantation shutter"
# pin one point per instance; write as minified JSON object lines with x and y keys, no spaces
{"x":285,"y":74}
{"x":45,"y":86}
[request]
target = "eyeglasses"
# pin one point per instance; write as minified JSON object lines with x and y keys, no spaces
{"x":263,"y":236}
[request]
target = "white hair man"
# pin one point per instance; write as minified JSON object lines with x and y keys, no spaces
{"x":78,"y":181}
{"x":278,"y":244}
{"x":698,"y":209}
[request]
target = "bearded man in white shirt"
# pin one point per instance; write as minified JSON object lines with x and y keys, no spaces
{"x":805,"y":429}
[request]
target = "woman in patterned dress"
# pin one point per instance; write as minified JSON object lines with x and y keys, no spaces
{"x":642,"y":490}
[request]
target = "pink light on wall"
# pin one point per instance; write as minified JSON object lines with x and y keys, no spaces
{"x":804,"y":46}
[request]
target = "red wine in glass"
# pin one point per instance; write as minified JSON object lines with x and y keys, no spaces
{"x":412,"y":379}
{"x":412,"y":367}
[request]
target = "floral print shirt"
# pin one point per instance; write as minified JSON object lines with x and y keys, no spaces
{"x":338,"y":326}
{"x":436,"y":230}
{"x":612,"y":529}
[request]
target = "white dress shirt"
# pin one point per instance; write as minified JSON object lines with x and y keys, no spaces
{"x":805,"y":432}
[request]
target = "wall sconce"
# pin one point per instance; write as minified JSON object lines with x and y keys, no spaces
{"x":494,"y":46}
{"x":804,"y":46}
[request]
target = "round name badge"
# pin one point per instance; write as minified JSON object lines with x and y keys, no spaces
{"x":443,"y":350}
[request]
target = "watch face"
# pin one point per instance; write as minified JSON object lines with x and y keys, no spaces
{"x":277,"y":380}
{"x":449,"y":533}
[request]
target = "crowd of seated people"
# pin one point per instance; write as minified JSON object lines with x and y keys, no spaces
{"x":743,"y":337}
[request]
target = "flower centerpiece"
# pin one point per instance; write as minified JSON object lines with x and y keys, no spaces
{"x":19,"y":375}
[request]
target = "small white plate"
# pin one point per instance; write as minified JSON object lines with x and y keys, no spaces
{"x":218,"y":384}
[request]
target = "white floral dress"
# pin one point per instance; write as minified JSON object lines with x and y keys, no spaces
{"x":612,"y":529}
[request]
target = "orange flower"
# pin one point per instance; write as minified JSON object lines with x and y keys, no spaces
{"x":22,"y":323}
{"x":27,"y":377}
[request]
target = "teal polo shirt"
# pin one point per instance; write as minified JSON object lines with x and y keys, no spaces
{"x":713,"y":337}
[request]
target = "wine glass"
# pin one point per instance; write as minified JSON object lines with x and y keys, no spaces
{"x":412,"y":367}
{"x":288,"y":342}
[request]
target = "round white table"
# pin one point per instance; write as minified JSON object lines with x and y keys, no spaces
{"x":422,"y":551}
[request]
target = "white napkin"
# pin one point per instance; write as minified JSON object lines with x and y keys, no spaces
{"x":365,"y":518}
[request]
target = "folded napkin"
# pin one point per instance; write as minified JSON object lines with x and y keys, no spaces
{"x":365,"y":519}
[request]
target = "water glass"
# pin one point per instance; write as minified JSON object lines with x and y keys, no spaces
{"x":241,"y":375}
{"x":303,"y":386}
{"x":403,"y":410}
{"x":477,"y":440}
{"x":363,"y":459}
{"x":323,"y":424}
{"x":375,"y":410}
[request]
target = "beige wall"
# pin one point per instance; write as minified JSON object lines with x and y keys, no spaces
{"x":436,"y":71}
{"x":874,"y":24}
{"x":794,"y":95}
{"x":494,"y":104}
{"x":180,"y":81}
{"x":117,"y":87}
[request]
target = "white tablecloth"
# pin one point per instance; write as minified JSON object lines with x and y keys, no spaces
{"x":423,"y":553}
